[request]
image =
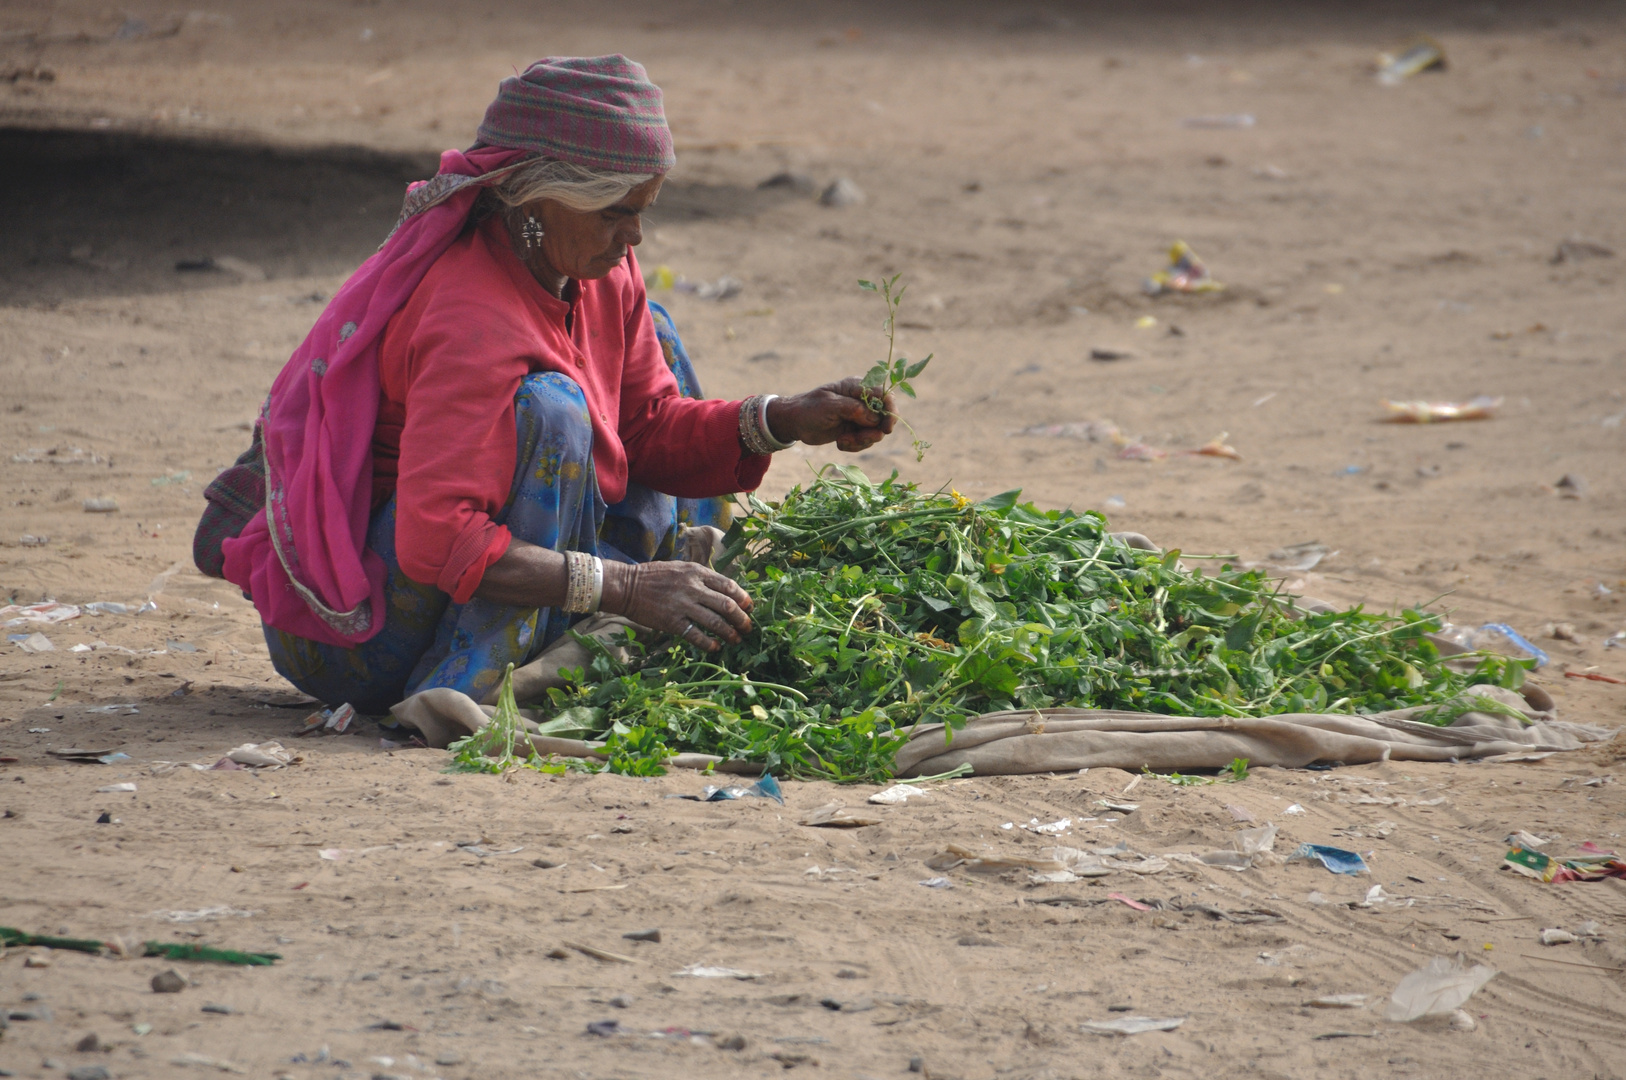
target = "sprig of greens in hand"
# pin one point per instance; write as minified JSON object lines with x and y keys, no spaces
{"x":896,"y":372}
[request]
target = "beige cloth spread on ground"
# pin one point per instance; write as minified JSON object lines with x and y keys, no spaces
{"x":1060,"y":740}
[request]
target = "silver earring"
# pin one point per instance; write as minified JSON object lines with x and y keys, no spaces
{"x":532,"y":232}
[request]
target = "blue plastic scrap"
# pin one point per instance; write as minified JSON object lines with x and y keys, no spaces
{"x":1337,"y":860}
{"x":1541,"y":658}
{"x":765,"y":788}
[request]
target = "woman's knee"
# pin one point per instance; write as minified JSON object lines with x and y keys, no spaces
{"x":549,"y":397}
{"x":555,"y":432}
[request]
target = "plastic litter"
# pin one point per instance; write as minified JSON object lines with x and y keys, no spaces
{"x":1294,"y":809}
{"x":32,"y":643}
{"x":267,"y":755}
{"x":1337,"y":860}
{"x":896,"y":795}
{"x":13,"y":616}
{"x":100,"y":506}
{"x":1226,"y":860}
{"x":208,"y":914}
{"x":106,"y":607}
{"x":1130,"y":1025}
{"x":937,"y":883}
{"x":1122,"y":899}
{"x":111,"y":788}
{"x":1253,"y":841}
{"x":1590,"y":863}
{"x":1429,"y":412}
{"x":1555,"y":936}
{"x":1216,"y":447}
{"x":765,"y":788}
{"x":1424,"y":54}
{"x":337,"y":720}
{"x":701,"y":971}
{"x":1594,"y":676}
{"x":1184,"y":274}
{"x":1298,"y":558}
{"x":12,"y":937}
{"x":1493,"y":637}
{"x":1529,"y":841}
{"x":1377,"y":898}
{"x":1439,"y":989}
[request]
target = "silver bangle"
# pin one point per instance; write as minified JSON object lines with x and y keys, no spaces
{"x":581,"y":596}
{"x":755,"y":434}
{"x":598,"y":583}
{"x":749,"y":438}
{"x":764,"y":429}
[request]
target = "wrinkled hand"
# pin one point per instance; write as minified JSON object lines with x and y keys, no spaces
{"x":684,"y":599}
{"x":835,"y":412}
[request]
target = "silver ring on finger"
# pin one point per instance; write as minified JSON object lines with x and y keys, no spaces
{"x":688,"y":625}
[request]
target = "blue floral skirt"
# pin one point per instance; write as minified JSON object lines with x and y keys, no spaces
{"x":427,"y":640}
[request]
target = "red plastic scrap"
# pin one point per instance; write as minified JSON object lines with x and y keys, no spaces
{"x":1136,"y":904}
{"x":1594,"y":676}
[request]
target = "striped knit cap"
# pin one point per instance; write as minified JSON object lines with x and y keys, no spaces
{"x":599,"y":111}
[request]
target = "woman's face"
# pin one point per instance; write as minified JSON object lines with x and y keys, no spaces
{"x":589,"y":245}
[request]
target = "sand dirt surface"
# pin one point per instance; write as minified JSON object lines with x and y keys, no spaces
{"x":1025,"y":167}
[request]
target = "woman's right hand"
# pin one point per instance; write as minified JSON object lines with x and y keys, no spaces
{"x":684,"y":599}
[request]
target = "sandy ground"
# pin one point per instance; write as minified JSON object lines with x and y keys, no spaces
{"x":1025,"y":168}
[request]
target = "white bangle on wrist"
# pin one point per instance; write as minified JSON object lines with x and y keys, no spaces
{"x":584,"y":582}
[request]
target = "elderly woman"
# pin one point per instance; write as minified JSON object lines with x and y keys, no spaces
{"x":491,"y":431}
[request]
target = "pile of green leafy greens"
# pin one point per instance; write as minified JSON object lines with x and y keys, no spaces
{"x":879,"y":607}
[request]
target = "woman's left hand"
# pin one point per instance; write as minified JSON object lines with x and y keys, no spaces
{"x":836,"y":412}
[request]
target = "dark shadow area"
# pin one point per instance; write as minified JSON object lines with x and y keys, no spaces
{"x":90,"y":214}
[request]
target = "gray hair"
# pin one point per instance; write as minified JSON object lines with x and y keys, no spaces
{"x":583,"y":188}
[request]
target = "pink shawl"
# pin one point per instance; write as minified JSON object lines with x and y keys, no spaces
{"x":304,"y":558}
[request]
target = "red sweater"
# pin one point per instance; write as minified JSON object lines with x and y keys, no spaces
{"x":449,"y":365}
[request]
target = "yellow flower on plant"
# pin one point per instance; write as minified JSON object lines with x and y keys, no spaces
{"x":960,"y":501}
